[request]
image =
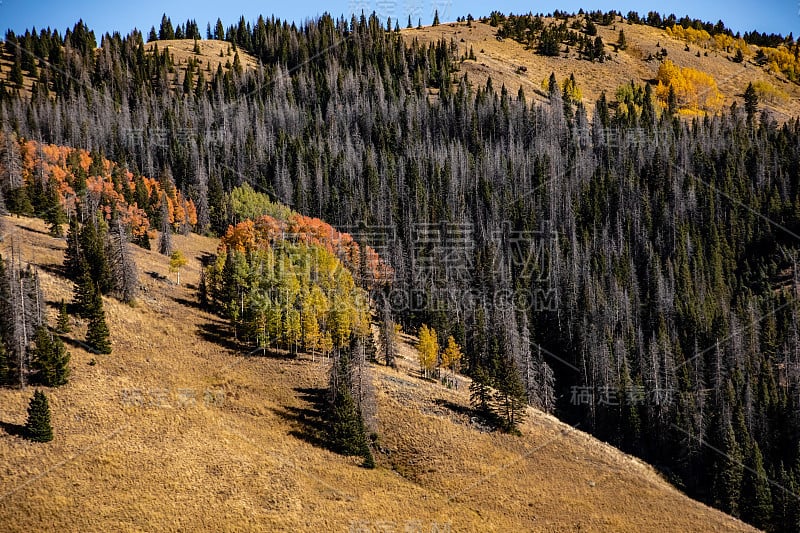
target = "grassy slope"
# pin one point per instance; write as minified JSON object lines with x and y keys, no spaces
{"x":182,"y":50}
{"x":500,"y":61}
{"x":246,"y":461}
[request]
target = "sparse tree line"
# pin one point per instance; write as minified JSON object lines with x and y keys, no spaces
{"x":30,"y":352}
{"x":674,"y":262}
{"x":548,"y":39}
{"x":778,"y":53}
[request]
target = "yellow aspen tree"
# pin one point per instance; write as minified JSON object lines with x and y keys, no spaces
{"x":176,"y":262}
{"x":451,"y":357}
{"x":428,"y":347}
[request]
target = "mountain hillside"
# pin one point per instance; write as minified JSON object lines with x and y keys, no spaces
{"x":508,"y":62}
{"x":178,"y":430}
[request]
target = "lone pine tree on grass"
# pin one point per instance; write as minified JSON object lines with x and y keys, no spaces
{"x":346,"y":431}
{"x":348,"y":436}
{"x":97,"y":334}
{"x":38,"y":428}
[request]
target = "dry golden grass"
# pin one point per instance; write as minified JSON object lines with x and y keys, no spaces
{"x":239,"y":462}
{"x":501,"y":60}
{"x":182,"y":50}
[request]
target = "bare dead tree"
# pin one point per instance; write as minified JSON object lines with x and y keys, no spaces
{"x":165,"y":239}
{"x":123,"y":266}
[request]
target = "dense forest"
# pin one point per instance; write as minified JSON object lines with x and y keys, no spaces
{"x":631,"y":271}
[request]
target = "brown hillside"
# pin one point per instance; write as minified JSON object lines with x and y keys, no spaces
{"x":501,"y":60}
{"x":183,"y":49}
{"x":176,"y":430}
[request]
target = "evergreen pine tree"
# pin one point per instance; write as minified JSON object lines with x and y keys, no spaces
{"x":756,"y":499}
{"x":510,"y":397}
{"x":52,"y":211}
{"x":142,"y":240}
{"x":216,"y":205}
{"x":50,"y":358}
{"x":786,"y":503}
{"x":19,"y":202}
{"x":16,"y":72}
{"x":436,"y":17}
{"x":672,"y":101}
{"x":728,"y":472}
{"x":62,"y":323}
{"x":552,"y":85}
{"x":480,"y":391}
{"x":599,"y":49}
{"x":97,"y":334}
{"x":83,"y":295}
{"x":347,"y":433}
{"x":72,"y":255}
{"x":38,"y":428}
{"x":93,"y":247}
{"x":750,"y":103}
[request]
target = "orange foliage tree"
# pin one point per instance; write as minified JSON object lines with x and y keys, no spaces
{"x":68,"y":169}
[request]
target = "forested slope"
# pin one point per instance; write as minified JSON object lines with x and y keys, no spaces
{"x":180,"y":428}
{"x":630,"y":270}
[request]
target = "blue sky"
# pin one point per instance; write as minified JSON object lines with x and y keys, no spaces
{"x":778,"y":16}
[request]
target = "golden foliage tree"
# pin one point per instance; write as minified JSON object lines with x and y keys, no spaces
{"x":694,"y":89}
{"x":451,"y":357}
{"x":428,"y":347}
{"x":176,"y":262}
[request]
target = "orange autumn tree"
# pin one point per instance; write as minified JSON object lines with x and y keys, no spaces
{"x":266,"y":231}
{"x":71,"y":172}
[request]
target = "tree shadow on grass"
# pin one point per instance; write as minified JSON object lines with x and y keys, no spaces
{"x":54,"y":269}
{"x":34,"y":230}
{"x":157,"y":276}
{"x":457,"y":408}
{"x":221,"y":336}
{"x":75,"y":343}
{"x":16,"y":430}
{"x":188,"y":303}
{"x":309,"y":421}
{"x":485,"y":421}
